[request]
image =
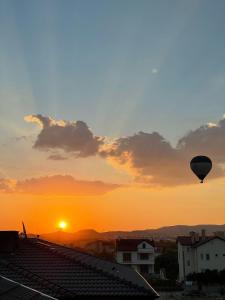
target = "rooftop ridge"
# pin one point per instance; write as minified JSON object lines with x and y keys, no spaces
{"x":26,"y":287}
{"x":105,"y":267}
{"x":187,"y":240}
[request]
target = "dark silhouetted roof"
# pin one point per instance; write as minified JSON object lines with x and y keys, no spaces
{"x":187,"y":240}
{"x":184,"y":240}
{"x":11,"y":290}
{"x":206,"y":240}
{"x":131,"y":244}
{"x":65,"y":273}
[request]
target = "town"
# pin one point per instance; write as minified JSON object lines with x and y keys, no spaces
{"x":191,"y":265}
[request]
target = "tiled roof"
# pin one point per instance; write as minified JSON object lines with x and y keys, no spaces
{"x":187,"y":240}
{"x":63,"y":272}
{"x":11,"y":290}
{"x":206,"y":240}
{"x":184,"y":240}
{"x":131,"y":244}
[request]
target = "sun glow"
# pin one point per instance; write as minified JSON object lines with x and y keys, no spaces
{"x":62,"y":225}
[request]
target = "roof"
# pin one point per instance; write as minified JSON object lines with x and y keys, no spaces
{"x":206,"y":240}
{"x":64,"y":273}
{"x":184,"y":240}
{"x":187,"y":240}
{"x":131,"y":244}
{"x":12,"y":290}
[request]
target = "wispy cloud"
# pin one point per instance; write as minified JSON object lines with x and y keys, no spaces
{"x":60,"y":185}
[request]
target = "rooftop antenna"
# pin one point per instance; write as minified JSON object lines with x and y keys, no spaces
{"x":24,"y":231}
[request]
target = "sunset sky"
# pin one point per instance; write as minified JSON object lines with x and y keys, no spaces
{"x":102,"y":106}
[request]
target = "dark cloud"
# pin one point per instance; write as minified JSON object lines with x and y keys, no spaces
{"x":73,"y":137}
{"x":148,"y":157}
{"x":209,"y":140}
{"x":57,"y":156}
{"x":63,"y":185}
{"x":153,"y":161}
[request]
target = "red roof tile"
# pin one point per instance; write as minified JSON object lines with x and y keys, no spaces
{"x":131,"y":244}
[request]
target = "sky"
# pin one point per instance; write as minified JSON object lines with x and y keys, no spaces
{"x":102,"y":106}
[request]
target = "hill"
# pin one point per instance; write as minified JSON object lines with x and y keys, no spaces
{"x":169,"y":232}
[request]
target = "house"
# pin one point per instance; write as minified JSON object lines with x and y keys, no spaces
{"x":137,"y":253}
{"x":38,"y":269}
{"x":199,"y":253}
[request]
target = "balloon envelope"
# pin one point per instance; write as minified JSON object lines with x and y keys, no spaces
{"x":201,"y":166}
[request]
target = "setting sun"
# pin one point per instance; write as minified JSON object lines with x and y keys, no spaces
{"x":62,"y":225}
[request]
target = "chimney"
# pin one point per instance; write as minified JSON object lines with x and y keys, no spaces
{"x":203,"y":234}
{"x":196,"y":236}
{"x":8,"y":241}
{"x":192,"y":235}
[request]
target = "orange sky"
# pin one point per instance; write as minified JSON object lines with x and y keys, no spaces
{"x":102,"y":110}
{"x":124,"y":208}
{"x":134,"y":182}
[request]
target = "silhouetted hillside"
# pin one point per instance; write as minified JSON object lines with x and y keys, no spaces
{"x":169,"y":232}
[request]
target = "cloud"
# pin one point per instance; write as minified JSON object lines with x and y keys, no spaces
{"x":7,"y":185}
{"x":74,"y":137}
{"x":153,"y":161}
{"x":57,"y":156}
{"x":212,"y":124}
{"x":148,"y":157}
{"x":59,"y":185}
{"x":207,"y":140}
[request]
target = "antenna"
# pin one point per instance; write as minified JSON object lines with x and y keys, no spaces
{"x":24,"y":231}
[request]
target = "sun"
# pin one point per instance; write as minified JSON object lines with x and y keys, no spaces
{"x":62,"y":225}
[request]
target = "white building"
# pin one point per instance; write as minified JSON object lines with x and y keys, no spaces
{"x":137,"y":253}
{"x":197,"y":254}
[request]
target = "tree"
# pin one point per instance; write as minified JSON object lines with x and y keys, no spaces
{"x":168,"y":261}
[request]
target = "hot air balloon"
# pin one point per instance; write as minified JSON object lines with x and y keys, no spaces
{"x":201,"y":166}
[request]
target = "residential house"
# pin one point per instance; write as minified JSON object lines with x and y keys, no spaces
{"x":199,"y":253}
{"x":137,"y":253}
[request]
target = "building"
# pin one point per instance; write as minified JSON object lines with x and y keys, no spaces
{"x":199,"y":253}
{"x":137,"y":253}
{"x":38,"y":269}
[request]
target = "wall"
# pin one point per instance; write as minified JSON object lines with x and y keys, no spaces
{"x":212,"y":248}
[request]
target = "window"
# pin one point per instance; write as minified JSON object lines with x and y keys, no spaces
{"x":202,"y":256}
{"x":188,"y":249}
{"x":207,"y":256}
{"x":216,"y":255}
{"x":144,"y":256}
{"x":143,"y":246}
{"x":126,"y":257}
{"x":188,"y":263}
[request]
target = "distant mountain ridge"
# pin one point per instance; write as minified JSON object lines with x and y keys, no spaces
{"x":168,"y":232}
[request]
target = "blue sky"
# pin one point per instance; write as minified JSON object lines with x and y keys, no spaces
{"x":121,"y":66}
